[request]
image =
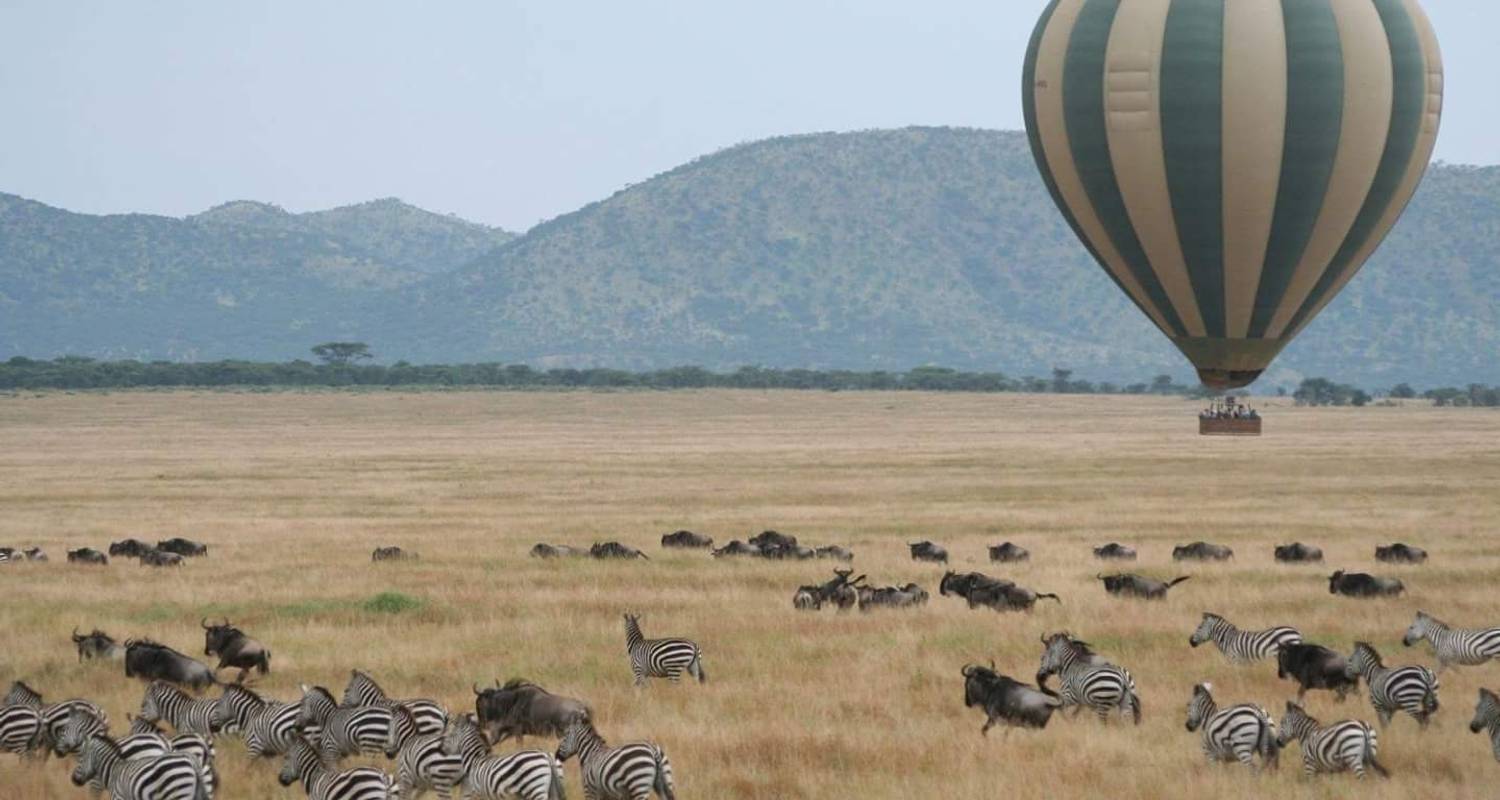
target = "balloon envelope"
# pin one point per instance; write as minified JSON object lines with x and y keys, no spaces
{"x":1232,"y":163}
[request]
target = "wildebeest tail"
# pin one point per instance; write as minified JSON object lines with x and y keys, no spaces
{"x":1176,"y":581}
{"x":664,"y":786}
{"x":1040,"y":595}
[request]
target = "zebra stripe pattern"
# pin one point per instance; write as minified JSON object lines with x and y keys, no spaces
{"x":321,"y":783}
{"x":660,"y":658}
{"x":20,"y":694}
{"x":1236,"y":733}
{"x":1242,"y":647}
{"x":1411,"y":689}
{"x":175,"y":776}
{"x":54,"y":717}
{"x":1465,"y":647}
{"x":21,"y":730}
{"x":1348,"y":745}
{"x":267,"y":726}
{"x":420,"y":762}
{"x":527,"y":774}
{"x":1086,"y":680}
{"x":1487,"y":716}
{"x":83,"y":724}
{"x":629,"y":772}
{"x":185,"y":714}
{"x":362,"y":690}
{"x":345,"y":730}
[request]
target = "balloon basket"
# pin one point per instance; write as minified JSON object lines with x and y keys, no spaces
{"x":1229,"y":427}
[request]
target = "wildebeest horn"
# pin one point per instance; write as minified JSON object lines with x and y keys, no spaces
{"x":497,"y":683}
{"x":476,"y":689}
{"x":967,"y":671}
{"x":992,"y":666}
{"x":76,"y":637}
{"x":204,"y":623}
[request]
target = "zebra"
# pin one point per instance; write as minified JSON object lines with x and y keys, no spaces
{"x":54,"y":717}
{"x":143,"y":738}
{"x":346,"y":730}
{"x":20,"y":694}
{"x":267,"y":725}
{"x":661,"y":658}
{"x":1238,"y":732}
{"x":1411,"y":689}
{"x":362,"y":690}
{"x":1242,"y":647}
{"x":1086,"y":679}
{"x":185,"y":714}
{"x":83,"y":724}
{"x":628,"y":772}
{"x":1346,"y":745}
{"x":174,"y":776}
{"x":1465,"y":647}
{"x":21,"y":730}
{"x":526,"y":774}
{"x":421,"y":763}
{"x":322,"y":783}
{"x":1487,"y":715}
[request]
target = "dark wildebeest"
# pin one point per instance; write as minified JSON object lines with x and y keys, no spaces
{"x":1201,"y":551}
{"x":1298,"y":552}
{"x":234,"y":649}
{"x":793,"y":552}
{"x":544,"y":550}
{"x":766,"y":540}
{"x":615,"y":550}
{"x":161,"y":558}
{"x":736,"y":548}
{"x":186,"y":548}
{"x":130,"y":548}
{"x":1008,"y":552}
{"x":34,"y":554}
{"x":686,"y":539}
{"x":1361,"y":584}
{"x":521,"y":708}
{"x":806,"y":599}
{"x":835,"y":552}
{"x":96,"y":644}
{"x":1314,"y":667}
{"x":87,"y":555}
{"x":927,"y":551}
{"x":391,"y":554}
{"x":1005,"y":699}
{"x":891,"y":596}
{"x":840,"y":590}
{"x":982,"y":590}
{"x":150,"y":661}
{"x":1114,"y":551}
{"x":1131,"y":585}
{"x":1399,"y":553}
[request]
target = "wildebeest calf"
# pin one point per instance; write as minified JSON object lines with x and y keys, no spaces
{"x":234,"y":649}
{"x":927,"y":551}
{"x":1298,"y":552}
{"x":1314,"y":667}
{"x":1005,"y":699}
{"x":1131,"y":585}
{"x":1201,"y":551}
{"x":1360,"y":584}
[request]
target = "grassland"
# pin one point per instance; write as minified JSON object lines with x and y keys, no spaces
{"x":293,"y":491}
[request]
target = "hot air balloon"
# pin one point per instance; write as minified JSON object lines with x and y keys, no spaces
{"x":1232,"y":163}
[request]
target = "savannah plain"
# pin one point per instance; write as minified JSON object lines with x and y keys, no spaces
{"x":292,"y":491}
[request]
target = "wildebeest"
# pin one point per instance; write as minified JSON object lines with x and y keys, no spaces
{"x":521,"y":708}
{"x":544,"y":550}
{"x":1114,"y":551}
{"x":150,"y":661}
{"x":1399,"y":553}
{"x":927,"y":551}
{"x":840,"y":590}
{"x":234,"y":649}
{"x":1201,"y":551}
{"x":130,"y":548}
{"x":96,"y":644}
{"x":615,"y":550}
{"x":686,"y":539}
{"x":806,"y":599}
{"x":1132,"y":585}
{"x":392,"y":553}
{"x":1360,"y":584}
{"x":1314,"y":667}
{"x":835,"y":552}
{"x":160,"y":558}
{"x":736,"y":548}
{"x":772,"y":539}
{"x":982,"y":590}
{"x":1005,"y":699}
{"x":1298,"y":552}
{"x":87,"y":555}
{"x":891,"y":596}
{"x":1009,"y":552}
{"x":793,"y":552}
{"x":34,"y":554}
{"x":183,"y":547}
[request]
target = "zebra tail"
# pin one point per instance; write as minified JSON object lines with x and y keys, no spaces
{"x":664,"y":786}
{"x":698,"y":670}
{"x":1134,"y":700}
{"x":1430,"y":701}
{"x":1270,"y":750}
{"x":1370,"y":757}
{"x":555,"y":788}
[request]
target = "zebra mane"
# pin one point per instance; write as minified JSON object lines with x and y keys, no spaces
{"x":1374,"y":655}
{"x":323,"y":691}
{"x":360,"y":675}
{"x":1431,"y":620}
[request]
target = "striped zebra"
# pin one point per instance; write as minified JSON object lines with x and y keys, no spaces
{"x":346,"y":730}
{"x":323,"y":783}
{"x":1086,"y":679}
{"x":21,"y":730}
{"x":1239,"y":732}
{"x":54,"y":717}
{"x":83,"y":724}
{"x":1465,"y":647}
{"x":1487,"y":715}
{"x":20,"y":694}
{"x":526,"y":774}
{"x":1242,"y":647}
{"x":661,"y":658}
{"x":628,"y":772}
{"x":1347,"y":745}
{"x":144,"y":733}
{"x":266,"y":725}
{"x":421,"y":763}
{"x":165,"y":702}
{"x":174,"y":776}
{"x":1411,"y":689}
{"x":362,"y":690}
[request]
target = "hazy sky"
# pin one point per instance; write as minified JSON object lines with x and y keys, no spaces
{"x":513,"y":112}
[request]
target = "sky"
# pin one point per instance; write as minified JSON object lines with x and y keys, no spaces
{"x":513,"y":112}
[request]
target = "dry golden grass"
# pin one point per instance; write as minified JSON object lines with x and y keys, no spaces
{"x":292,"y":491}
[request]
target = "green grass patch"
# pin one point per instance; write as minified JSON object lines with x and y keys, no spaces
{"x":392,"y":603}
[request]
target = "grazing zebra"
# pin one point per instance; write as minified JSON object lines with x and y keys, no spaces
{"x":1238,"y":732}
{"x":267,"y":725}
{"x":321,"y":781}
{"x":527,"y":774}
{"x":660,"y":658}
{"x":21,"y":730}
{"x":346,"y":730}
{"x":1464,"y":647}
{"x":175,"y":776}
{"x":1242,"y":647}
{"x":628,"y":772}
{"x":1086,"y":679}
{"x":1487,"y":715}
{"x":421,"y":763}
{"x":185,"y":714}
{"x":1347,"y":745}
{"x":362,"y":690}
{"x":1411,"y":689}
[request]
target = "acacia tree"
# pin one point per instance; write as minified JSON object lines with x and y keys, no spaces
{"x":342,"y":352}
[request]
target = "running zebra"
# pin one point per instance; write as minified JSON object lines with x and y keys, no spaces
{"x":421,"y":763}
{"x":322,"y":783}
{"x":1086,"y":679}
{"x":1347,"y":745}
{"x":20,"y":694}
{"x":54,"y":717}
{"x":1487,"y":715}
{"x":661,"y":658}
{"x":1411,"y":689}
{"x":83,"y":724}
{"x":527,"y":774}
{"x":1465,"y":647}
{"x":267,"y":725}
{"x":1242,"y":647}
{"x":142,"y":741}
{"x":1239,"y":732}
{"x":346,"y":730}
{"x":21,"y":730}
{"x":175,"y":776}
{"x":362,"y":690}
{"x":185,"y":714}
{"x":627,"y":772}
